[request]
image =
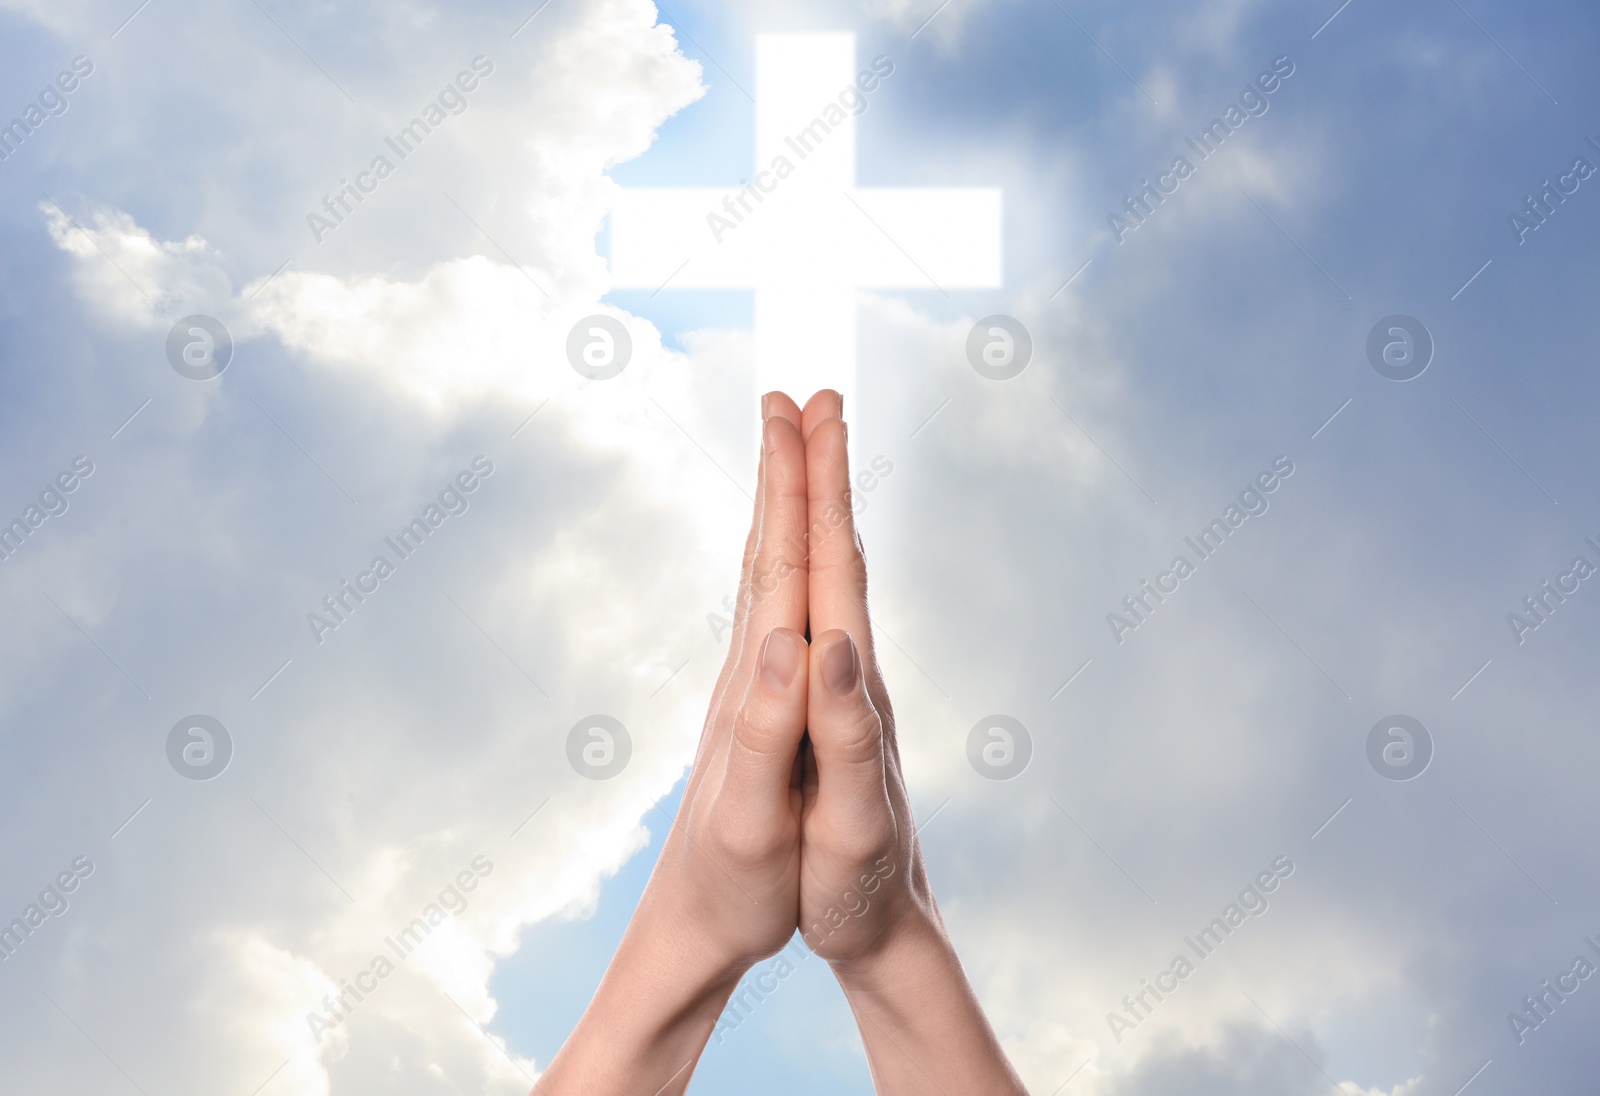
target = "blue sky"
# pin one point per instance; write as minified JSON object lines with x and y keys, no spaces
{"x":1228,"y":729}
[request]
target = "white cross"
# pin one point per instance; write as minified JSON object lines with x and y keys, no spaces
{"x":801,"y":233}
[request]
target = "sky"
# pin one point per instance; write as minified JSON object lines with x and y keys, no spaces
{"x":1338,"y":361}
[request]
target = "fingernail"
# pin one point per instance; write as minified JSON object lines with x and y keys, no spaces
{"x":839,"y":664}
{"x":766,"y":407}
{"x":778,"y":661}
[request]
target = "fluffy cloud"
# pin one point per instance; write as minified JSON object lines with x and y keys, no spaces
{"x":377,"y":781}
{"x":431,"y":724}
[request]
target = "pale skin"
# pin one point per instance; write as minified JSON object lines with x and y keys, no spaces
{"x":795,"y":816}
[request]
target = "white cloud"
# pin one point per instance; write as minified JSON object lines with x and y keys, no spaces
{"x":405,"y":745}
{"x":384,"y":760}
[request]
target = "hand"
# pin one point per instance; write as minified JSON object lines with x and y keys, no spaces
{"x":862,"y":881}
{"x":865,"y":901}
{"x":725,"y":891}
{"x":795,"y":813}
{"x":730,"y":867}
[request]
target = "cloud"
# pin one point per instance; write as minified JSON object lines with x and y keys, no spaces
{"x":400,"y":750}
{"x":1246,"y":1062}
{"x":135,"y":280}
{"x":429,"y":328}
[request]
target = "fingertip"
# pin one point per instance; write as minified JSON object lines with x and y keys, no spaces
{"x":835,"y":663}
{"x":780,"y":433}
{"x":767,"y":726}
{"x":843,"y":721}
{"x":822,"y":407}
{"x":777,"y":404}
{"x":826,"y":402}
{"x":828,"y":442}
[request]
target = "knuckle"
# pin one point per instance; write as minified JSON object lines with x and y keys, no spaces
{"x":777,"y":558}
{"x":848,"y":566}
{"x":737,"y":842}
{"x":749,"y":557}
{"x":753,"y":730}
{"x":771,"y":571}
{"x":885,"y":710}
{"x":864,"y":843}
{"x":858,"y":735}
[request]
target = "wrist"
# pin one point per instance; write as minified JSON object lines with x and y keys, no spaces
{"x":668,"y":955}
{"x":652,"y":1013}
{"x":920,"y":1018}
{"x":914,"y":943}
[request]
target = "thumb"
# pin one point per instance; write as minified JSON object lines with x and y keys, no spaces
{"x":846,"y":730}
{"x":767,"y":728}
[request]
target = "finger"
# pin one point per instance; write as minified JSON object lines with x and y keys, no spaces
{"x":746,"y":563}
{"x":847,"y":734}
{"x":776,"y":592}
{"x":779,"y":405}
{"x":773,"y":594}
{"x":837,"y":572}
{"x":837,"y":591}
{"x":767,"y":730}
{"x":822,"y":406}
{"x":773,"y":404}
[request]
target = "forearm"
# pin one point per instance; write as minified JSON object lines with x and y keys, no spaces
{"x":921,"y":1023}
{"x":648,"y":1022}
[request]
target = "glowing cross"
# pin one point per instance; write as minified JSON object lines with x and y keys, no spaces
{"x":800,"y":232}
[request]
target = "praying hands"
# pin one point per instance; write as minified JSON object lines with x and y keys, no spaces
{"x":795,"y":818}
